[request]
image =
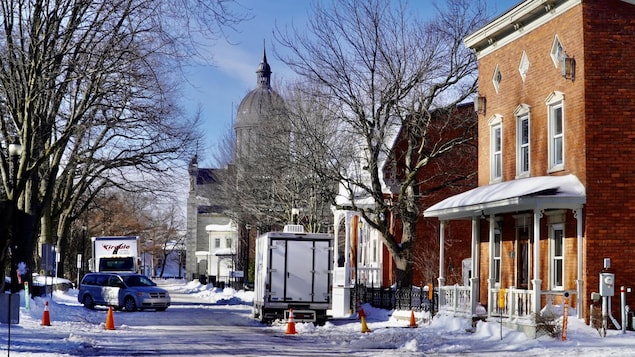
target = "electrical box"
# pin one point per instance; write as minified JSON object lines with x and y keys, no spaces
{"x":607,"y":284}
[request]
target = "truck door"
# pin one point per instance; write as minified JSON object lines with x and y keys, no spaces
{"x":277,"y":273}
{"x":299,"y":271}
{"x":321,"y":262}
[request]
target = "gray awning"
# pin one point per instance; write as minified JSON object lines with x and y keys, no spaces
{"x":541,"y":192}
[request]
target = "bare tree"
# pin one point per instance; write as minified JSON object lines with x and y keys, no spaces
{"x":382,"y":71}
{"x":87,"y":89}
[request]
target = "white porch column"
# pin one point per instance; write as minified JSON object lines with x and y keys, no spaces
{"x":341,"y":293}
{"x":577,"y":213}
{"x":347,"y":249}
{"x":536,"y":281}
{"x":491,"y":279}
{"x":442,"y":254}
{"x":476,"y":263}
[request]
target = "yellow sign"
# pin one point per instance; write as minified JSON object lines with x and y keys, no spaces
{"x":501,"y":299}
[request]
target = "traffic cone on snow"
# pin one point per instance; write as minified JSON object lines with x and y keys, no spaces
{"x":110,"y":320}
{"x":46,"y":317}
{"x":413,"y":323}
{"x":362,"y":316}
{"x":291,"y":324}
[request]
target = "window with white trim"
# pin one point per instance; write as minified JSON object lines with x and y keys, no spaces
{"x":523,"y":66}
{"x":496,"y":258}
{"x":522,"y":140}
{"x":556,"y":145}
{"x":216,"y":242}
{"x":497,"y":78}
{"x":557,"y":51}
{"x":496,"y":148}
{"x":557,"y":256}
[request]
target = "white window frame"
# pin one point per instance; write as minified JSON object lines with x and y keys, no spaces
{"x":556,"y":144}
{"x":496,"y":148}
{"x":523,"y":149}
{"x":523,"y":66}
{"x":557,"y":51}
{"x":497,"y":78}
{"x":556,"y":256}
{"x":496,"y":256}
{"x":216,"y":243}
{"x":228,"y":242}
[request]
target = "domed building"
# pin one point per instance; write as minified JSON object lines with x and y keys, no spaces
{"x":258,"y":108}
{"x":207,"y":247}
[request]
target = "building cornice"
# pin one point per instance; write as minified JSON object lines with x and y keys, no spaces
{"x":515,"y":23}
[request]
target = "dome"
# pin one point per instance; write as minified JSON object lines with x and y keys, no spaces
{"x":260,"y":103}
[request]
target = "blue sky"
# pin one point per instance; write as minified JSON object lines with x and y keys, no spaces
{"x":218,"y":84}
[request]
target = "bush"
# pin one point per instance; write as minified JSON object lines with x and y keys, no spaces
{"x":548,"y":324}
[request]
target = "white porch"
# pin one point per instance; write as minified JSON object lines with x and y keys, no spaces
{"x":527,"y":199}
{"x":358,"y":260}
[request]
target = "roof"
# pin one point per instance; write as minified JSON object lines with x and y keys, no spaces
{"x":515,"y":195}
{"x":262,"y":102}
{"x":206,"y":176}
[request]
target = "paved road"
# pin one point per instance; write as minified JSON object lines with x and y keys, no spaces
{"x":194,"y":328}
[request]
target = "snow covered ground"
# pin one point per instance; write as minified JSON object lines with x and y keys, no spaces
{"x":75,"y":329}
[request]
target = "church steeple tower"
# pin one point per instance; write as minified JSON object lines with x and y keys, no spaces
{"x":264,"y":71}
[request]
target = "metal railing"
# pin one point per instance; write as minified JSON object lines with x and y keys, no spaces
{"x":409,"y":298}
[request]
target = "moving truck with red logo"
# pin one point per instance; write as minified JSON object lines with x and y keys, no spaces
{"x":115,"y":254}
{"x":293,"y":271}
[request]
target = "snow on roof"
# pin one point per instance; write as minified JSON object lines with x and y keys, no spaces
{"x":526,"y":193}
{"x":229,"y":227}
{"x":223,"y":251}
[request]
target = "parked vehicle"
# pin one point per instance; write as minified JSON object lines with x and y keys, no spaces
{"x":293,"y":270}
{"x":115,"y":254}
{"x":128,"y":291}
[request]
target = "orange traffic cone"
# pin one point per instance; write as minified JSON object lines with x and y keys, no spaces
{"x":46,"y":317}
{"x":291,"y":324}
{"x":110,"y":320}
{"x":412,"y":319}
{"x":362,"y":316}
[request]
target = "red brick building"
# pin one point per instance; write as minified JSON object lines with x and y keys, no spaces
{"x":442,"y":177}
{"x":556,"y":149}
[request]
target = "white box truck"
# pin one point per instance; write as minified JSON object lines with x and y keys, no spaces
{"x":115,"y":254}
{"x":293,"y":270}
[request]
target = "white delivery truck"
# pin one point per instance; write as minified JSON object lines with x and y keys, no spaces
{"x":115,"y":254}
{"x":293,"y":270}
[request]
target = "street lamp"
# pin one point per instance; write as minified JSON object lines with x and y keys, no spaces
{"x":15,"y":150}
{"x":83,"y":248}
{"x":246,"y":263}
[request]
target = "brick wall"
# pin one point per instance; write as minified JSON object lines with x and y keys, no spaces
{"x":599,"y":119}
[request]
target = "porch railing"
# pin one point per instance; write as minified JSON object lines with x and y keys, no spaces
{"x":455,"y":299}
{"x":365,"y":276}
{"x":513,"y":303}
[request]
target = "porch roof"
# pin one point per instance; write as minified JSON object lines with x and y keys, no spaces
{"x":515,"y":195}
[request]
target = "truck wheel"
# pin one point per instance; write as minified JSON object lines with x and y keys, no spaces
{"x":130,"y":304}
{"x":88,"y":302}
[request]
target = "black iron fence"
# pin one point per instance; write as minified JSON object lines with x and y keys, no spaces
{"x":409,"y":298}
